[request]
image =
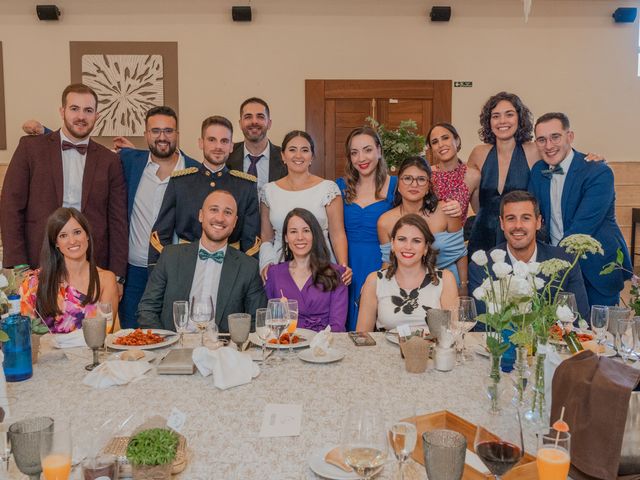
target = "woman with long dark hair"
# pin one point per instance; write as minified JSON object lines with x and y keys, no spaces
{"x":68,"y":284}
{"x":308,"y":276}
{"x":411,"y":285}
{"x":416,"y":195}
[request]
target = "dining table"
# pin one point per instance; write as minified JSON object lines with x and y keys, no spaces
{"x":222,"y":427}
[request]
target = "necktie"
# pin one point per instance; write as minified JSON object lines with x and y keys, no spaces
{"x":82,"y":148}
{"x":253,"y":168}
{"x":550,"y":172}
{"x":215,"y":256}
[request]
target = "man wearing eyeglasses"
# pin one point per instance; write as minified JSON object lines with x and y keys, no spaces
{"x":577,"y":196}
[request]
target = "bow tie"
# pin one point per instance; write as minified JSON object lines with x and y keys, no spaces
{"x":81,"y":148}
{"x":217,"y":257}
{"x":550,"y":172}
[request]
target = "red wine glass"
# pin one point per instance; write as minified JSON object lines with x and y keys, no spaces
{"x":500,"y":446}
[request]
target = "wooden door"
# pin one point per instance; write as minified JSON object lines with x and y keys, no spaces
{"x":335,"y":107}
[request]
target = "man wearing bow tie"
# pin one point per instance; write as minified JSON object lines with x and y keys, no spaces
{"x":577,"y":196}
{"x":65,"y":168}
{"x":206,"y":268}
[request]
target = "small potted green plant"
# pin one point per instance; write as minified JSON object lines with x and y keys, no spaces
{"x":400,"y":143}
{"x":151,"y":453}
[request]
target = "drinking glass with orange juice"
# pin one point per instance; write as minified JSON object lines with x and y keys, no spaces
{"x":293,"y":321}
{"x":553,"y":457}
{"x":106,"y":310}
{"x":55,"y":452}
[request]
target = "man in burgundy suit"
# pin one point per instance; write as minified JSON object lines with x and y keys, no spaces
{"x":65,"y":169}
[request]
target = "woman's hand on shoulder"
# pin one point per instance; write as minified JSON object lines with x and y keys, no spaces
{"x":451,"y":208}
{"x":594,"y":157}
{"x":264,"y":273}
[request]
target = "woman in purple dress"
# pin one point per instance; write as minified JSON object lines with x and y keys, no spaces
{"x":307,"y":275}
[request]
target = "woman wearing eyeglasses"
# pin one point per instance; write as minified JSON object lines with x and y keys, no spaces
{"x":415,"y":195}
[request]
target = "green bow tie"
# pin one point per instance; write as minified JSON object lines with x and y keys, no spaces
{"x":215,"y":256}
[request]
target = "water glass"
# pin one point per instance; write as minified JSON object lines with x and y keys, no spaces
{"x":444,"y":454}
{"x":362,"y":441}
{"x":277,"y":320}
{"x":568,"y":299}
{"x":55,"y":452}
{"x":553,"y":457}
{"x":95,"y":333}
{"x":263,"y":331}
{"x":615,"y":315}
{"x":25,"y":438}
{"x":599,"y":321}
{"x":201,"y":312}
{"x":438,"y":320}
{"x":402,"y":434}
{"x":181,"y":318}
{"x":239,"y":328}
{"x":467,"y":319}
{"x":625,"y":334}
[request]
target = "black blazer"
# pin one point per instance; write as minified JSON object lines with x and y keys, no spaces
{"x":240,"y":289}
{"x":277,"y":168}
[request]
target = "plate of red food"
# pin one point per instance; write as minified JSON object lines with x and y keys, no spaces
{"x":141,"y":339}
{"x":301,"y":338}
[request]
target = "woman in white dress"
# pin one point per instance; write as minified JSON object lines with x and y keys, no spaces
{"x":301,"y":189}
{"x":411,"y":285}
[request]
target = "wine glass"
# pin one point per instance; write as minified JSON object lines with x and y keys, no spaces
{"x":106,"y":310}
{"x":293,"y":323}
{"x":403,"y":434}
{"x":181,"y":318}
{"x":568,"y":299}
{"x":599,"y":321}
{"x":553,"y":457}
{"x":501,"y":449}
{"x":201,"y":313}
{"x":239,"y":327}
{"x":467,"y":319}
{"x":263,"y":331}
{"x":25,"y":439}
{"x":363,"y":442}
{"x":55,"y":452}
{"x":615,"y":315}
{"x":95,"y":333}
{"x":277,"y":319}
{"x":627,"y":341}
{"x":8,"y":403}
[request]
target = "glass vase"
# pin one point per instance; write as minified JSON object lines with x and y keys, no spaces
{"x":493,"y":385}
{"x":521,"y":376}
{"x":537,"y":412}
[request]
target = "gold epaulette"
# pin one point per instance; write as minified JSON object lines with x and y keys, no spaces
{"x":155,"y":242}
{"x":255,"y":248}
{"x":184,"y":171}
{"x":235,"y":245}
{"x":246,"y":176}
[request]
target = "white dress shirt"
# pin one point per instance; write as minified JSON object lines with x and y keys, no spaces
{"x":206,"y":277}
{"x":72,"y":173}
{"x":146,"y":207}
{"x":514,"y":259}
{"x":262,"y":166}
{"x":556,"y":229}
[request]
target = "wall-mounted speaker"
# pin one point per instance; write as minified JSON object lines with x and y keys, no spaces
{"x":625,"y":15}
{"x":241,"y":14}
{"x":47,"y":12}
{"x":440,"y":14}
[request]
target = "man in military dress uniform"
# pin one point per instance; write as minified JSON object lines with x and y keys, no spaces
{"x":188,"y":188}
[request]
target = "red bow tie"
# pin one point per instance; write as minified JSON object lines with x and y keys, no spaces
{"x":81,"y":148}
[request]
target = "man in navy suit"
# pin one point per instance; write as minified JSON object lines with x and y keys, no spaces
{"x":520,"y":220}
{"x":577,"y":196}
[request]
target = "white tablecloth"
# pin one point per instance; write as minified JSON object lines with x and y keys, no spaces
{"x":222,"y":426}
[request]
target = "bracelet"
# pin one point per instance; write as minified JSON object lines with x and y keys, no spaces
{"x":464,"y":284}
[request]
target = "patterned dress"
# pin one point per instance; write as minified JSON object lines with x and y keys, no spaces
{"x":449,"y":185}
{"x":73,"y":312}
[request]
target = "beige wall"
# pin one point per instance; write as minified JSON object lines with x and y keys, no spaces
{"x":570,"y":57}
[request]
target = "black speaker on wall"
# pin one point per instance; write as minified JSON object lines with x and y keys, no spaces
{"x":625,"y":15}
{"x":440,"y":14}
{"x":47,"y":12}
{"x":241,"y":14}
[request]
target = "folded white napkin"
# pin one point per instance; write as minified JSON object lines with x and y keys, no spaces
{"x":551,"y":362}
{"x":116,"y":372}
{"x":321,"y":344}
{"x":230,"y":368}
{"x":69,"y":340}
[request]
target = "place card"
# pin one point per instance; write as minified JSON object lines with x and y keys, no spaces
{"x":281,"y":420}
{"x":176,"y":419}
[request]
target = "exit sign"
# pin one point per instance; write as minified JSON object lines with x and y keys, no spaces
{"x":463,"y":84}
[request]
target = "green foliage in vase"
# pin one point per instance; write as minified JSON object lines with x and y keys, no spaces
{"x":400,"y":143}
{"x":156,"y":446}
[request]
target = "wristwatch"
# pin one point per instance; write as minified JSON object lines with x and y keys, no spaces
{"x":121,"y":280}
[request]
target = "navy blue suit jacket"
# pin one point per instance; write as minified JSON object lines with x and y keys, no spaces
{"x":133,"y":163}
{"x":574,"y":282}
{"x":588,"y":206}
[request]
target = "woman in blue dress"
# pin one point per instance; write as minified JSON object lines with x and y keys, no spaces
{"x":367,"y":190}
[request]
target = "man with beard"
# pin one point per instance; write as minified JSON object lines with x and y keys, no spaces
{"x":204,"y":269}
{"x":65,"y":168}
{"x":257,"y":156}
{"x":520,"y":221}
{"x":188,"y":188}
{"x":147,"y":175}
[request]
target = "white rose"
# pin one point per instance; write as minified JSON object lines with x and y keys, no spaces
{"x":534,"y":267}
{"x":479,"y":293}
{"x":539,"y":283}
{"x":3,"y":281}
{"x":564,"y":314}
{"x":520,"y":269}
{"x":479,"y":257}
{"x":501,"y":269}
{"x":498,"y":255}
{"x":520,"y":287}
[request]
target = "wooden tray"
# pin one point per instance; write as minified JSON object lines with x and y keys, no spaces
{"x":525,"y":470}
{"x":118,"y":447}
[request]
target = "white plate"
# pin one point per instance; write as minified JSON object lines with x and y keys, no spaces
{"x":332,"y":355}
{"x":170,"y":340}
{"x":325,"y":470}
{"x":302,"y":332}
{"x":149,"y":356}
